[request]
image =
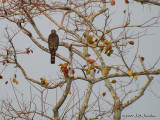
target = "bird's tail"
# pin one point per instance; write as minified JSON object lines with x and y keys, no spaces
{"x":53,"y":58}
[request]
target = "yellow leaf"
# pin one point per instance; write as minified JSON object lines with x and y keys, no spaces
{"x":90,"y":37}
{"x":65,"y":64}
{"x":91,"y":61}
{"x":109,"y":44}
{"x":90,"y":42}
{"x":135,"y":77}
{"x":106,"y":42}
{"x":130,"y":72}
{"x":117,"y":68}
{"x":46,"y":84}
{"x":106,"y":49}
{"x":108,"y":68}
{"x":105,"y":72}
{"x":113,"y":81}
{"x":101,"y":47}
{"x":84,"y":66}
{"x":87,"y":72}
{"x":42,"y":82}
{"x":102,"y":38}
{"x":91,"y":67}
{"x":3,"y":1}
{"x":14,"y":80}
{"x":60,"y":65}
{"x":109,"y":47}
{"x":87,"y":55}
{"x":110,"y":52}
{"x":42,"y":79}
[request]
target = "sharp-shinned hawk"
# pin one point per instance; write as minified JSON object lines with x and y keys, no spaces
{"x":53,"y":43}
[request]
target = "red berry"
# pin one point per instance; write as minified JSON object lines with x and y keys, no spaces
{"x":4,"y":62}
{"x":27,"y":50}
{"x":142,"y":58}
{"x":126,"y":1}
{"x":6,"y":82}
{"x":103,"y":94}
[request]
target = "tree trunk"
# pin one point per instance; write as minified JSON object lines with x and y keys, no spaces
{"x":117,"y":114}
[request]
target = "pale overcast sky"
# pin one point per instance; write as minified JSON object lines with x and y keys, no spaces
{"x":38,"y":64}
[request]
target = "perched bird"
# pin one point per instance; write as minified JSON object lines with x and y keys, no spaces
{"x":53,"y":43}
